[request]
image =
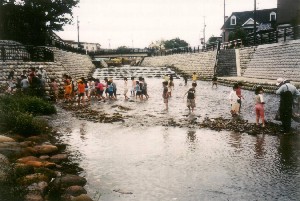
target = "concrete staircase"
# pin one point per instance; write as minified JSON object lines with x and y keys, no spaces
{"x":226,"y":65}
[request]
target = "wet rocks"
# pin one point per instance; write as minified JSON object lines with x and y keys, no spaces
{"x":75,"y":190}
{"x":69,"y":180}
{"x":45,"y":149}
{"x":6,"y":139}
{"x":38,"y":169}
{"x":239,"y":125}
{"x":89,"y":114}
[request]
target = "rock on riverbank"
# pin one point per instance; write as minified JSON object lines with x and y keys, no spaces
{"x":37,"y":168}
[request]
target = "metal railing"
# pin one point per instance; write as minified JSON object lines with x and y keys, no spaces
{"x":25,"y":53}
{"x":282,"y":34}
{"x":184,"y":50}
{"x":266,"y":37}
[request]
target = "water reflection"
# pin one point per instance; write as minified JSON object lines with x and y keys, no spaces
{"x":235,"y":141}
{"x":191,"y":139}
{"x":259,"y":146}
{"x":288,"y":151}
{"x":82,"y":131}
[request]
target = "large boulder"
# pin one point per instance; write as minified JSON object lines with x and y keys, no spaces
{"x":35,"y":162}
{"x":39,"y":187}
{"x":82,"y":197}
{"x":46,"y":149}
{"x":33,"y":178}
{"x":59,"y":157}
{"x":6,"y":139}
{"x":75,"y":190}
{"x":68,"y":180}
{"x":10,"y":148}
{"x":33,"y":196}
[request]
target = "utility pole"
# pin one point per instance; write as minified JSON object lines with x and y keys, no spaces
{"x":78,"y":32}
{"x":109,"y":43}
{"x":254,"y":16}
{"x":224,"y":23}
{"x":204,"y":44}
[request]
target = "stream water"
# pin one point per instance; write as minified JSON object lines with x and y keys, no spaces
{"x":140,"y":159}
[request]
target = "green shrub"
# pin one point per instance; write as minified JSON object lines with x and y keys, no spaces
{"x":23,"y":123}
{"x":17,"y":113}
{"x":30,"y":104}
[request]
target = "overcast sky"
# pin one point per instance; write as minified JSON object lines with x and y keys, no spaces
{"x":136,"y":23}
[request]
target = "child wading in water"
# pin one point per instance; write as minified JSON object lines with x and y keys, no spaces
{"x":125,"y":88}
{"x":259,"y":106}
{"x":81,"y":92}
{"x":214,"y":81}
{"x":233,"y":98}
{"x":165,"y":93}
{"x":191,"y":104}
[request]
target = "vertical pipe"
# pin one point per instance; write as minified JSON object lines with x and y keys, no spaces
{"x":254,"y":16}
{"x":78,"y":32}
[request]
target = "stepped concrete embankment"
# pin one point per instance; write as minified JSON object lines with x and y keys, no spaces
{"x":258,"y":65}
{"x":202,"y":63}
{"x":263,"y":64}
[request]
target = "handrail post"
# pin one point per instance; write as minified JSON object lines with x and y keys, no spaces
{"x":284,"y":35}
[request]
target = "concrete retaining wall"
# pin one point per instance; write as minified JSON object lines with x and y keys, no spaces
{"x":202,"y":63}
{"x":73,"y":64}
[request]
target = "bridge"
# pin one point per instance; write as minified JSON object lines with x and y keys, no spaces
{"x":129,"y":55}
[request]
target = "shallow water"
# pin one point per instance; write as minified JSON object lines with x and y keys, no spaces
{"x":139,"y":159}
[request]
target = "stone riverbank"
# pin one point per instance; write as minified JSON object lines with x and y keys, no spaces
{"x":38,"y":168}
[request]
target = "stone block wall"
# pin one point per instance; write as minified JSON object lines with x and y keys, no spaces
{"x":245,"y":54}
{"x":275,"y":60}
{"x":77,"y":65}
{"x":73,"y":64}
{"x":202,"y":63}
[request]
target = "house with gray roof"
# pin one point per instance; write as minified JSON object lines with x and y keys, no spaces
{"x":265,"y":20}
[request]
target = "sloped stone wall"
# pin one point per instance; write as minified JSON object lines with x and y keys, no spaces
{"x":69,"y":63}
{"x":245,"y":54}
{"x":275,"y":60}
{"x":202,"y":63}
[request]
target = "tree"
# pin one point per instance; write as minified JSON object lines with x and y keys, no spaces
{"x":238,"y":33}
{"x":123,"y":49}
{"x":28,"y":21}
{"x":175,"y":43}
{"x":213,"y":39}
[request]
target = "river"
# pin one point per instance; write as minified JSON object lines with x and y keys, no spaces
{"x":142,"y":159}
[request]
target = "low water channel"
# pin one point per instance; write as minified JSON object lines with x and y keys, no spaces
{"x":141,"y":159}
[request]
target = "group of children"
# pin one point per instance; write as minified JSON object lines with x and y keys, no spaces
{"x":235,"y":98}
{"x":94,"y":88}
{"x":139,"y":88}
{"x":168,"y":87}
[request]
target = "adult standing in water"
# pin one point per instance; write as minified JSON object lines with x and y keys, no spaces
{"x":287,"y":92}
